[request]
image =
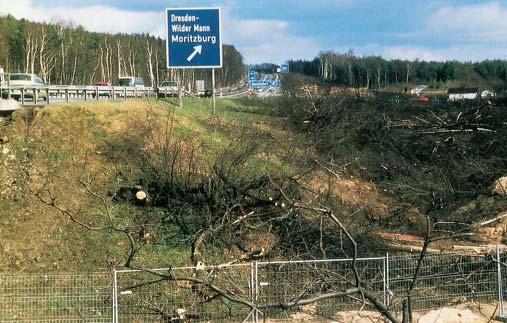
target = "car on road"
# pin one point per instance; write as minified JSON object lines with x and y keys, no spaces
{"x":168,"y":88}
{"x":131,"y":81}
{"x":207,"y":93}
{"x":103,"y":88}
{"x":30,"y":83}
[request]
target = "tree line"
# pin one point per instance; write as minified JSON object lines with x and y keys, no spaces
{"x":63,"y":53}
{"x":268,"y":68}
{"x":375,"y":72}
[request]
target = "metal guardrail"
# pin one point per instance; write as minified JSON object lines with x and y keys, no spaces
{"x":43,"y":95}
{"x":40,"y":95}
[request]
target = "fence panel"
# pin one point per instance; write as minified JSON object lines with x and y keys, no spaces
{"x":56,"y":298}
{"x":502,"y":257}
{"x":290,"y":281}
{"x":444,"y":280}
{"x":146,"y":297}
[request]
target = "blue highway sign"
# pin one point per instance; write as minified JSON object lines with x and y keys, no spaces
{"x":193,"y":38}
{"x":260,"y":84}
{"x":252,"y":75}
{"x":284,"y":68}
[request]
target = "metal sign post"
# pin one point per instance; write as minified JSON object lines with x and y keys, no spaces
{"x":213,"y":90}
{"x":180,"y":95}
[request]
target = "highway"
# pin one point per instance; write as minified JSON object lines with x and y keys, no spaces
{"x":263,"y":90}
{"x":43,"y":95}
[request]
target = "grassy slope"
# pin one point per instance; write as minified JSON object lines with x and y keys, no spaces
{"x":64,"y":144}
{"x":34,"y":237}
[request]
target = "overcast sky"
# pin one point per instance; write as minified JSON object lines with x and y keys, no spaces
{"x":278,"y":30}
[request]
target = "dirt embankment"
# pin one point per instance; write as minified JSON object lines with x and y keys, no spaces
{"x":396,"y":170}
{"x":46,"y":154}
{"x":77,"y":154}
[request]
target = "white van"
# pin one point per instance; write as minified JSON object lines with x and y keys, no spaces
{"x":131,"y":81}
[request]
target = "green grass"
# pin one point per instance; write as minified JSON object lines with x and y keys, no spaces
{"x":159,"y":255}
{"x":60,"y":155}
{"x":233,"y":120}
{"x":228,"y":110}
{"x":63,"y":134}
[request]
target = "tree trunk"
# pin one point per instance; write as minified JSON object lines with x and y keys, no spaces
{"x":119,"y":58}
{"x":408,"y":72}
{"x":149,"y":63}
{"x":74,"y":69}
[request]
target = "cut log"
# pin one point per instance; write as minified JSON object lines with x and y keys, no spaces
{"x":141,"y":195}
{"x":497,"y":218}
{"x":479,"y":249}
{"x":411,"y":248}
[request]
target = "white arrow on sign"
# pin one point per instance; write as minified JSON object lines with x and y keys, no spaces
{"x":197,"y":50}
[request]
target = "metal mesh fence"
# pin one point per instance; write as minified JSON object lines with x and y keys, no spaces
{"x":193,"y":293}
{"x":444,"y":280}
{"x":287,"y":282}
{"x":147,"y":297}
{"x":56,"y":298}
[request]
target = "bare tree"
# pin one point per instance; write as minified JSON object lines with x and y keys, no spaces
{"x":31,"y":49}
{"x":47,"y":60}
{"x":149,"y":63}
{"x":119,"y":57}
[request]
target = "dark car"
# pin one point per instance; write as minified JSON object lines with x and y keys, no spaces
{"x":207,"y":94}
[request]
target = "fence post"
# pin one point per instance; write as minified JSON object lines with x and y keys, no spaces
{"x":115,"y":296}
{"x":252,"y":288}
{"x":256,"y":290}
{"x":499,"y":280}
{"x":387,"y":293}
{"x":384,"y":278}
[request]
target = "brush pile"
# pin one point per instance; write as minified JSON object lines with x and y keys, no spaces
{"x":445,"y":160}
